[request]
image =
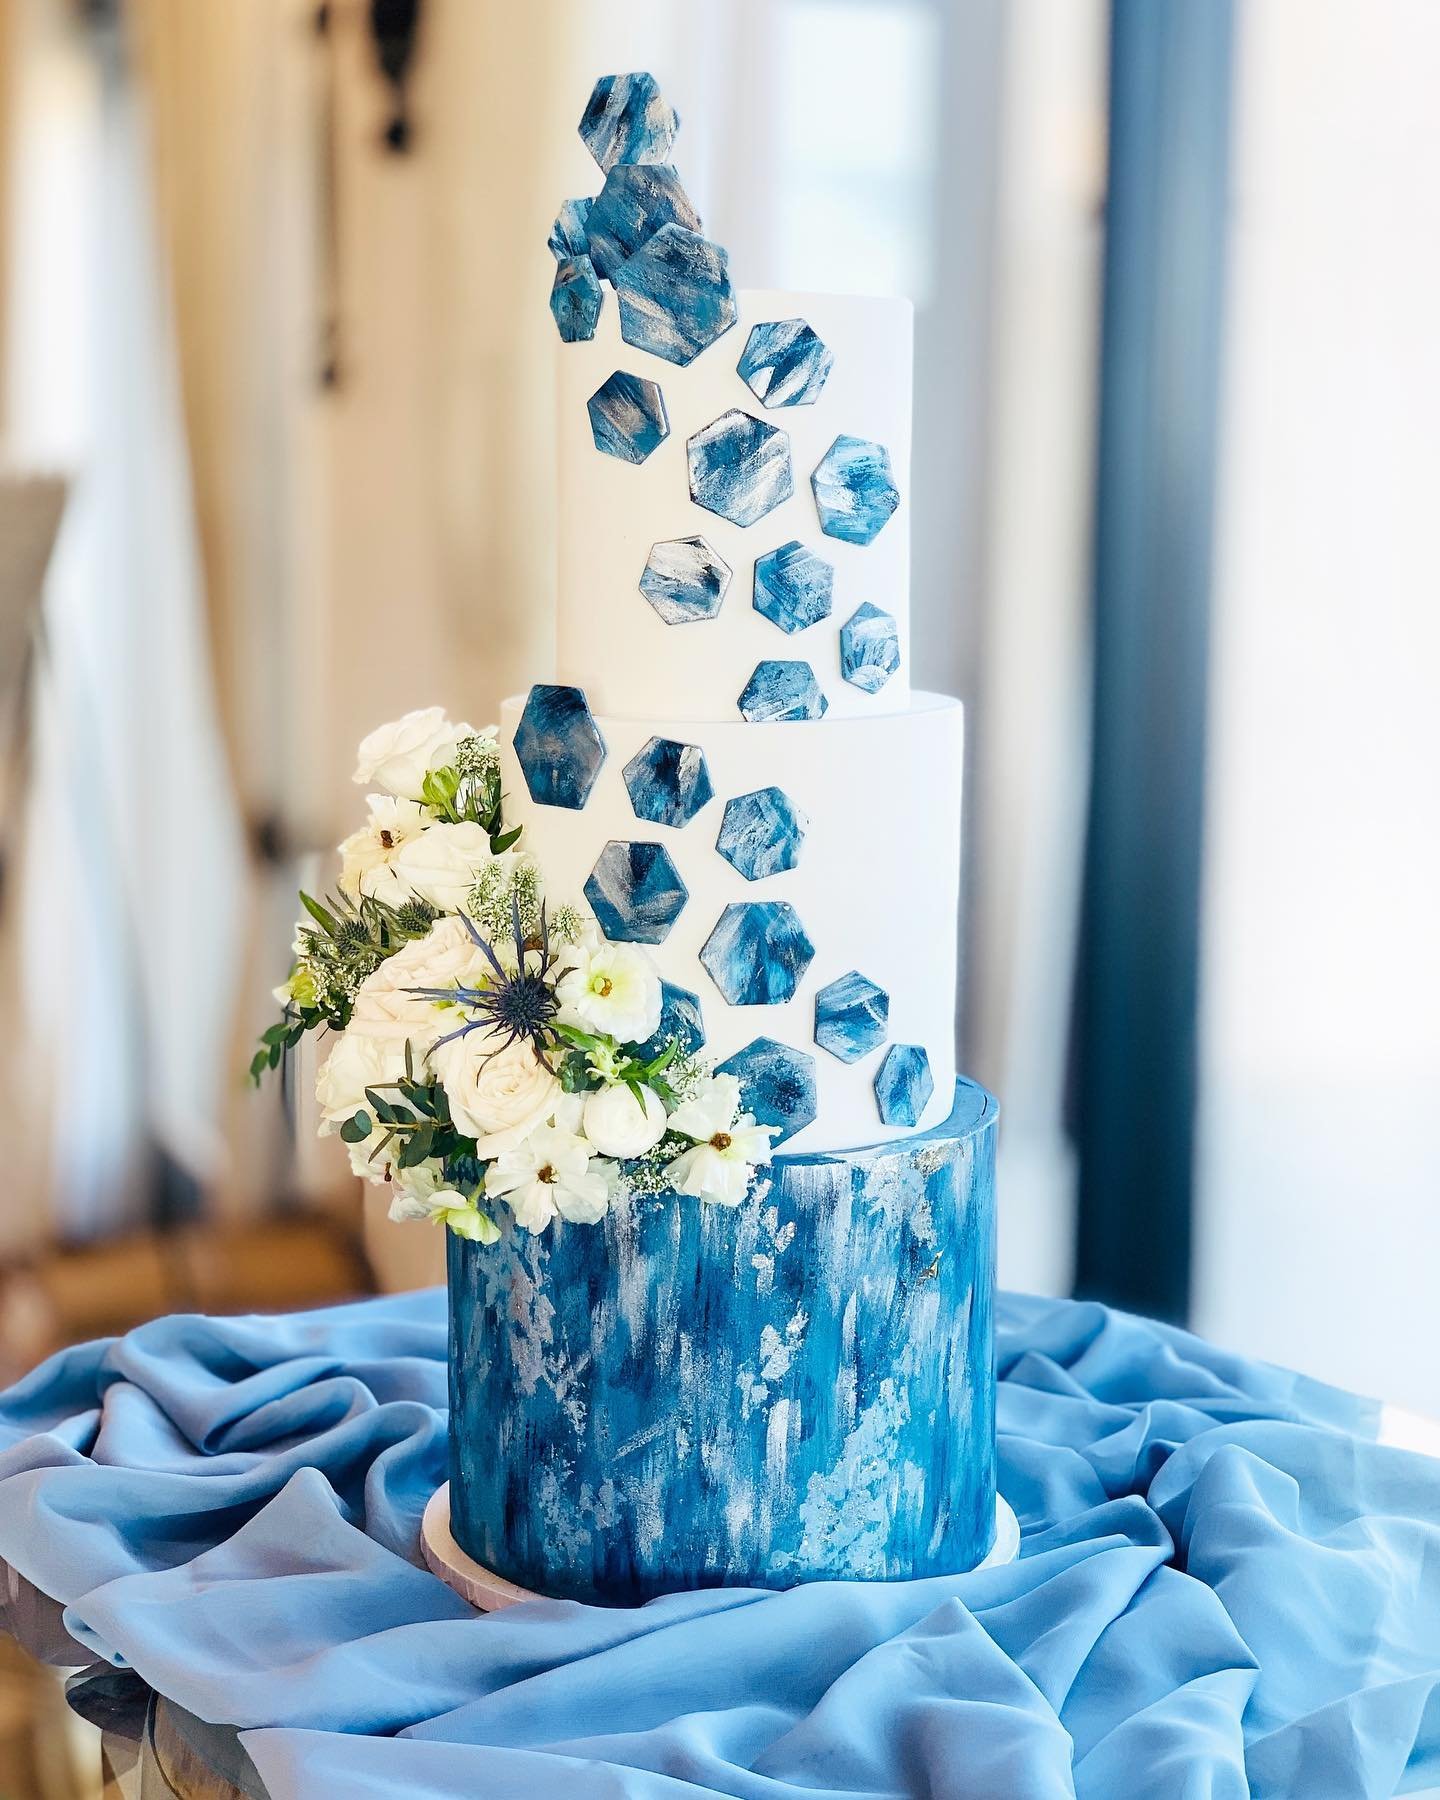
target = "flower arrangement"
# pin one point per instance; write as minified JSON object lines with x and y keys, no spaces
{"x":489,"y":1050}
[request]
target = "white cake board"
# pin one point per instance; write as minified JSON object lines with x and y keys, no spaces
{"x":475,"y":1583}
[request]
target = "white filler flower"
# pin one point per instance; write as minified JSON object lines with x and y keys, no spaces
{"x":728,"y":1144}
{"x":369,"y":856}
{"x":611,"y":988}
{"x":397,"y":757}
{"x":553,"y":1174}
{"x":618,"y":1124}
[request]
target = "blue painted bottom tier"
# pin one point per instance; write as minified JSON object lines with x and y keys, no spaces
{"x":685,"y":1396}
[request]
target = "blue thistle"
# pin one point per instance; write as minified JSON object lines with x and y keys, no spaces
{"x":513,"y":1006}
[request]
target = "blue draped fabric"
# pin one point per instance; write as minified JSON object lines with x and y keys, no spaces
{"x":1226,"y":1586}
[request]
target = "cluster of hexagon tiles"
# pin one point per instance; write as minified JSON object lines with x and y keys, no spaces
{"x":758,"y":951}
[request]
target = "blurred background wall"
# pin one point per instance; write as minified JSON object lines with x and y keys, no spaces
{"x":280,"y":324}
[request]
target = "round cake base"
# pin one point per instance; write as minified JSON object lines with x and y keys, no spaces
{"x":444,"y":1557}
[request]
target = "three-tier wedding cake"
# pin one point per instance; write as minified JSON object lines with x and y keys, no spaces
{"x":732,"y":768}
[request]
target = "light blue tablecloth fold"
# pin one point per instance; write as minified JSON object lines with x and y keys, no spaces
{"x":1227,"y":1587}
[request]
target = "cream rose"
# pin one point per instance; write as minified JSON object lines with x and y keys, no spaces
{"x":357,"y":1062}
{"x":385,"y":1003}
{"x":397,"y":757}
{"x":497,"y":1095}
{"x":443,"y":863}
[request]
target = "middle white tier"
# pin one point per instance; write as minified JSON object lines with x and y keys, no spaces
{"x":875,"y":882}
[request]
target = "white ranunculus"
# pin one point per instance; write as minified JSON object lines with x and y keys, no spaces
{"x":386,"y":1004}
{"x":442,"y":863}
{"x":431,"y":1200}
{"x":728,"y":1144}
{"x":368,"y":857}
{"x":611,"y":988}
{"x":357,"y":1062}
{"x":552,"y":1174}
{"x":498,"y":1095}
{"x":618,"y":1124}
{"x":397,"y":757}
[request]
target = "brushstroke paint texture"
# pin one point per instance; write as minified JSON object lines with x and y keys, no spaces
{"x":636,"y":893}
{"x":684,"y":1396}
{"x":684,"y":580}
{"x":675,"y":295}
{"x":628,"y":120}
{"x":784,"y":363}
{"x":739,"y":467}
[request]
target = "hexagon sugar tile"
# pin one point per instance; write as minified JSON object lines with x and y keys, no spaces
{"x":793,"y":586}
{"x":739,"y":467}
{"x":680,"y":1019}
{"x":684,"y":580}
{"x":903,"y":1084}
{"x":628,"y":120}
{"x":869,"y":648}
{"x":780,"y":691}
{"x":636,"y":201}
{"x":762,"y":833}
{"x":852,"y":1016}
{"x":576,"y":298}
{"x":668,"y":782}
{"x":675,"y":295}
{"x":558,"y":746}
{"x":777,"y":1085}
{"x":785,"y":363}
{"x":758,"y":952}
{"x":636,"y":893}
{"x":628,"y":417}
{"x":855,"y":491}
{"x":568,"y":235}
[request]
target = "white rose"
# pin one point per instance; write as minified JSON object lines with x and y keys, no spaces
{"x":611,"y":988}
{"x":617,"y":1124}
{"x":498,"y":1096}
{"x":398,"y":756}
{"x":368,"y":857}
{"x":357,"y":1062}
{"x":385,"y":1004}
{"x":442,"y":863}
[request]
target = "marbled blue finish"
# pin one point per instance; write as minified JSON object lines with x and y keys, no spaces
{"x":628,"y":120}
{"x":801,"y":1389}
{"x":680,"y":1018}
{"x":777,"y":1085}
{"x":576,"y":298}
{"x":628,"y":417}
{"x":762,"y":833}
{"x":903,"y":1084}
{"x":793,"y":586}
{"x":740,"y":467}
{"x":675,"y":295}
{"x":852,"y":1016}
{"x":635,"y":202}
{"x":685,"y":580}
{"x":785,"y":363}
{"x":558,"y":746}
{"x":758,"y":952}
{"x":855,"y":491}
{"x":636,"y":893}
{"x":780,"y":691}
{"x":668,"y":782}
{"x":869,"y":648}
{"x":569,"y":234}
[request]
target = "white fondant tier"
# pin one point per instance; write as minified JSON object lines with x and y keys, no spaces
{"x":876,"y":884}
{"x":610,"y":640}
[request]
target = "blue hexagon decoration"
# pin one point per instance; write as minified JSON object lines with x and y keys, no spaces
{"x":636,"y":893}
{"x":559,"y":747}
{"x":568,"y":236}
{"x":628,"y":417}
{"x":793,"y":586}
{"x":855,"y":492}
{"x":761,"y":833}
{"x":869,"y":648}
{"x":628,"y":120}
{"x":680,"y":1019}
{"x":635,"y":202}
{"x":668,"y":782}
{"x":576,"y":297}
{"x":758,"y":952}
{"x":777,"y":1085}
{"x":784,"y":363}
{"x":685,"y":580}
{"x":781,"y":691}
{"x":852,"y":1016}
{"x":675,"y":295}
{"x":740,"y":467}
{"x":903,"y":1084}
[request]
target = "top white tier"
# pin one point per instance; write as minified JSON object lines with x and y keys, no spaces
{"x":610,"y":640}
